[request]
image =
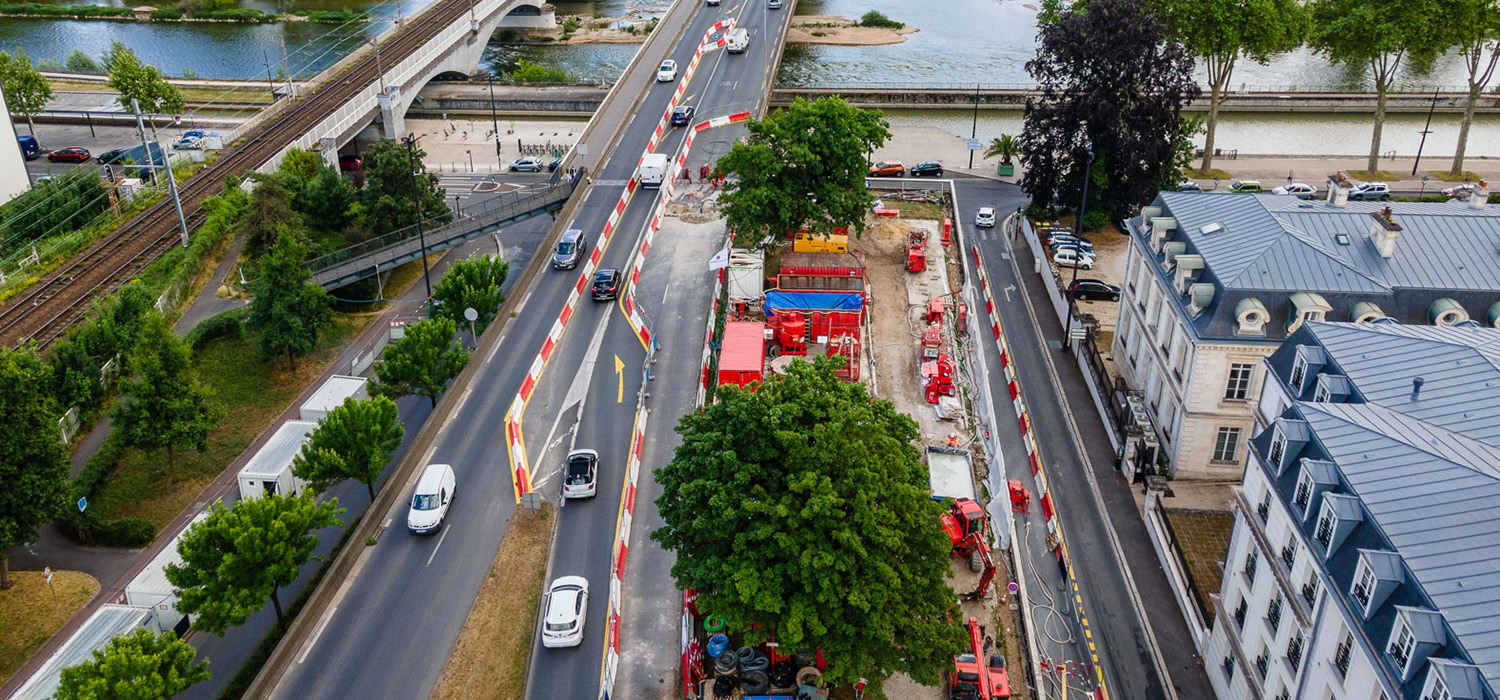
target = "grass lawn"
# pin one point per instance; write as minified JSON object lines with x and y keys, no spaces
{"x":1465,"y":176}
{"x":1211,"y":173}
{"x":1203,"y":540}
{"x":1376,"y":176}
{"x":255,"y":394}
{"x":919,"y":210}
{"x":248,"y":93}
{"x":30,"y":617}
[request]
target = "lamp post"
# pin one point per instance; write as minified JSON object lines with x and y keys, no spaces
{"x":494,"y":120}
{"x":1425,"y":131}
{"x":416,"y":192}
{"x":974,"y":127}
{"x":1082,"y":207}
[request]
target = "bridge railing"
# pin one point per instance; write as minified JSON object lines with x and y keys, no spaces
{"x":1239,"y":88}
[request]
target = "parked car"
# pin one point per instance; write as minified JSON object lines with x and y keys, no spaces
{"x":198,"y":134}
{"x":109,"y":157}
{"x":351,"y":162}
{"x":567,"y":609}
{"x":430,"y":499}
{"x":570,"y":249}
{"x":1072,"y":257}
{"x":187,"y":143}
{"x":985,"y":218}
{"x":529,"y":164}
{"x":606,"y":284}
{"x":1076,"y":243}
{"x":1058,"y":238}
{"x":72,"y":154}
{"x":1370,"y":191}
{"x":1301,"y":190}
{"x":1091,"y":290}
{"x":1245,"y":187}
{"x":1463,"y":190}
{"x":927,"y":167}
{"x":1189,"y":186}
{"x":887,"y":168}
{"x":580,"y":474}
{"x":553,"y":164}
{"x":682,"y":115}
{"x":30,"y":149}
{"x":667,"y":72}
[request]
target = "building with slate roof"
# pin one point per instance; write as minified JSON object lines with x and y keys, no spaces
{"x":1365,"y":557}
{"x":1214,"y":283}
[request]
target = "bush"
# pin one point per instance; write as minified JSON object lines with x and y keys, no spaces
{"x":132,"y":533}
{"x":571,"y":25}
{"x":74,"y":11}
{"x":1095,"y":220}
{"x":80,"y":62}
{"x":334,"y":16}
{"x":165,"y":16}
{"x":237,"y":15}
{"x":62,"y":206}
{"x":526,"y":72}
{"x":230,"y":324}
{"x":875,"y":18}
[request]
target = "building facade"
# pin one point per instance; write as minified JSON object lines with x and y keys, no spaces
{"x":1214,"y":283}
{"x":13,"y":177}
{"x":1364,"y":562}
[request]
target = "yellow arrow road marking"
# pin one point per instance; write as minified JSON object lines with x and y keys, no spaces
{"x":620,"y":371}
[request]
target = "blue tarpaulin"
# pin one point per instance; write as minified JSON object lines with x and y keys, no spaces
{"x":813,"y":301}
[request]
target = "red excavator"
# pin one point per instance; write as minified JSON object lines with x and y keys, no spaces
{"x":969,"y":680}
{"x":964,"y":523}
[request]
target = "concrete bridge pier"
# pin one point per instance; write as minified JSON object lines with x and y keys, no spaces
{"x":392,"y":116}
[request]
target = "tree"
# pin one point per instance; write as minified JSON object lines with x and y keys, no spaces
{"x":140,"y":665}
{"x":80,"y":62}
{"x":803,"y":167}
{"x":34,"y":463}
{"x":270,"y":215}
{"x":1474,"y":28}
{"x":235,"y":559}
{"x":1004,"y":146}
{"x":1219,"y":32}
{"x":328,"y":199}
{"x":387,"y":197}
{"x":302,"y":164}
{"x":800,"y":510}
{"x":354,"y":441}
{"x":1376,"y":35}
{"x":422,"y":362}
{"x":64,"y":204}
{"x":26,"y":90}
{"x":288,"y":309}
{"x":471,"y":283}
{"x":168,"y":407}
{"x":1110,"y":80}
{"x":143,"y":83}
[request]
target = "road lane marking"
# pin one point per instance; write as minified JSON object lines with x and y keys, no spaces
{"x":322,"y":625}
{"x":439,"y":545}
{"x":664,"y":293}
{"x":620,"y":372}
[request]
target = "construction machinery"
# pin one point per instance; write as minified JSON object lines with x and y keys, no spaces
{"x":932,"y":342}
{"x":937,"y":378}
{"x":964,"y":522}
{"x":969,"y":680}
{"x":916,"y":250}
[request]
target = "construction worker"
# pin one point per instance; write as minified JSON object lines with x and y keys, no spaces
{"x":952,"y":439}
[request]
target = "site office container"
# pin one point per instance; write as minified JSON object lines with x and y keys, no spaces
{"x":151,"y":589}
{"x":742,"y":357}
{"x":822,"y":264}
{"x":270,"y":470}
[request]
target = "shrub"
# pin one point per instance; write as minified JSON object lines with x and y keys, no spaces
{"x":80,"y":62}
{"x":131,"y":533}
{"x":229,"y":324}
{"x":571,"y":25}
{"x":165,"y":16}
{"x":236,"y":15}
{"x":874,"y":18}
{"x":334,"y":16}
{"x":526,"y":72}
{"x":74,"y":11}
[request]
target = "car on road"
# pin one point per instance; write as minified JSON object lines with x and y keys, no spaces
{"x":430,"y":499}
{"x":1072,"y":257}
{"x":711,"y":2}
{"x":682,"y":115}
{"x":187,"y":143}
{"x":606,"y":284}
{"x":350,"y":162}
{"x":1091,"y":290}
{"x":887,"y":168}
{"x":580,"y":474}
{"x":567,"y":608}
{"x":773,"y":4}
{"x":985,"y":218}
{"x":1245,"y":187}
{"x":1463,"y":190}
{"x":927,"y":167}
{"x":570,"y":249}
{"x":1189,"y":186}
{"x":552,"y":165}
{"x":667,"y":72}
{"x":30,"y":149}
{"x":1369,"y":191}
{"x":112,"y":156}
{"x":71,"y":154}
{"x":1300,"y":190}
{"x":529,"y":164}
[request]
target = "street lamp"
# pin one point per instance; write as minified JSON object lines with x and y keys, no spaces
{"x":416,"y":202}
{"x":1082,"y":207}
{"x":1423,"y":193}
{"x":974,"y":128}
{"x":494,"y":120}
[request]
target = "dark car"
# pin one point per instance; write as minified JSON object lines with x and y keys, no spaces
{"x":351,"y":162}
{"x":552,"y":166}
{"x":683,"y":115}
{"x":606,"y":284}
{"x":74,"y":154}
{"x":927,"y":167}
{"x":114,"y":156}
{"x":1087,"y":289}
{"x":570,"y":249}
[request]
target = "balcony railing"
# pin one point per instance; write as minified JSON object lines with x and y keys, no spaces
{"x":1281,"y":574}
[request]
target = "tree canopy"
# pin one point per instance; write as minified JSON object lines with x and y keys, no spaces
{"x":387,"y":196}
{"x":802,"y":167}
{"x":26,"y":90}
{"x":801,"y":510}
{"x":422,"y":361}
{"x":64,"y":204}
{"x":471,"y":283}
{"x":354,"y":441}
{"x":288,"y":309}
{"x":1473,"y":27}
{"x":140,"y":665}
{"x":1111,"y":79}
{"x":168,"y":407}
{"x":142,"y":82}
{"x":34,"y":463}
{"x":237,"y":558}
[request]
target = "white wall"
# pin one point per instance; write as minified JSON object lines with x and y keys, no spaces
{"x":13,"y":177}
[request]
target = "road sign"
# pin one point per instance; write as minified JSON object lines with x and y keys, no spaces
{"x":973,"y":144}
{"x":1013,"y":588}
{"x":82,"y":503}
{"x":47,"y":571}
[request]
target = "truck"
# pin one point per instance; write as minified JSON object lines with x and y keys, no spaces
{"x":653,"y":169}
{"x":737,"y":41}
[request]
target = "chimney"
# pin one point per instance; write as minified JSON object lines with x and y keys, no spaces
{"x":1338,"y":190}
{"x":1416,"y":388}
{"x":1480,"y":196}
{"x":1383,"y":231}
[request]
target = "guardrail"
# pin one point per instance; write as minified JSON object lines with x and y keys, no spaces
{"x":1242,"y":88}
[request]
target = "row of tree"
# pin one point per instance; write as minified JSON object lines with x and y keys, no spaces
{"x":27,"y":91}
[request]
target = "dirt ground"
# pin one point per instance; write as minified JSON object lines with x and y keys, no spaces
{"x":832,"y":30}
{"x":489,"y":660}
{"x":30,"y":617}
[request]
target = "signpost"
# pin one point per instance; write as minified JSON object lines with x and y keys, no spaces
{"x":47,"y":571}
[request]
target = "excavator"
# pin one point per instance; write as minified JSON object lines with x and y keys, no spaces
{"x":964,"y":523}
{"x":969,"y":680}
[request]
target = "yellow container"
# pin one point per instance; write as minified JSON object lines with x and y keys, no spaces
{"x":809,"y":242}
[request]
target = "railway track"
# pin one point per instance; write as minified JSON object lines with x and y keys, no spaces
{"x":62,"y":297}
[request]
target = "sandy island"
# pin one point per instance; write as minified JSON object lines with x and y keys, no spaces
{"x":832,"y":30}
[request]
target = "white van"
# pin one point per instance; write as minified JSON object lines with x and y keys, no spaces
{"x":430,"y":500}
{"x":737,"y":40}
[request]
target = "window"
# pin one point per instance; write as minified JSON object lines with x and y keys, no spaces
{"x":1341,"y":655}
{"x":1278,"y":450}
{"x":1262,"y":661}
{"x":1285,"y":694}
{"x":1364,"y":584}
{"x":1294,"y":652}
{"x":1324,"y":532}
{"x":1299,"y":370}
{"x":1322,"y":393}
{"x":1304,"y":491}
{"x":1252,"y":562}
{"x":1264,"y":509}
{"x":1401,"y":644}
{"x":1437,"y":687}
{"x":1229,"y":667}
{"x":1310,"y":590}
{"x":1273,"y":614}
{"x":1239,"y":381}
{"x":1289,"y":552}
{"x":1227,"y":444}
{"x":1239,"y":613}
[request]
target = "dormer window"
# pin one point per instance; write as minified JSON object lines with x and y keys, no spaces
{"x":1306,"y":306}
{"x":1401,"y":643}
{"x":1446,"y":312}
{"x":1364,"y":584}
{"x":1437,"y":688}
{"x":1278,"y":449}
{"x":1452,"y":680}
{"x":1322,"y":394}
{"x":1337,"y":518}
{"x":1416,"y":633}
{"x":1252,"y":316}
{"x":1377,"y":575}
{"x":1324,"y":532}
{"x":1299,"y":372}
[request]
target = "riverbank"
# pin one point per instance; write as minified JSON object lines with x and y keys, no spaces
{"x":150,"y":14}
{"x":832,"y":30}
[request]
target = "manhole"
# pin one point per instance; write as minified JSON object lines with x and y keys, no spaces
{"x":716,"y":147}
{"x":1054,"y":344}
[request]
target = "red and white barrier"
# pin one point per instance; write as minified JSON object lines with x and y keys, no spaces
{"x":708,"y":342}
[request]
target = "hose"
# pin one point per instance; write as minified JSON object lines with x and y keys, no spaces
{"x":757,"y":664}
{"x":1053,"y":615}
{"x":755,"y":682}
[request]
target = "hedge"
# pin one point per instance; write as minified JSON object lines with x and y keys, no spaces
{"x":73,"y":11}
{"x":228,"y":324}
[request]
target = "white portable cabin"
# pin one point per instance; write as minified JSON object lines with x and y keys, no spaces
{"x":151,"y":589}
{"x":949,"y":474}
{"x":332,"y":394}
{"x":270,"y":470}
{"x":103,"y":625}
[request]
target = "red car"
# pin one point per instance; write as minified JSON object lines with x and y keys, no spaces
{"x":350,"y":162}
{"x":74,"y":154}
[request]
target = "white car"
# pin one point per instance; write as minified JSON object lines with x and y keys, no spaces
{"x":1072,"y":257}
{"x":530,"y":164}
{"x":667,"y":72}
{"x":430,"y":499}
{"x":187,"y":143}
{"x":1370,"y":191}
{"x":985,"y":218}
{"x":1302,"y":190}
{"x":710,"y":2}
{"x":567,"y":608}
{"x":581,"y":474}
{"x":773,"y":4}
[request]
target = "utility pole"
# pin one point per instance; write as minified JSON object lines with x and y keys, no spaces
{"x":974,"y":128}
{"x":416,"y":201}
{"x":287,"y":67}
{"x":1078,"y":257}
{"x":270,"y":79}
{"x":1425,"y":131}
{"x":495,"y":120}
{"x":379,"y":71}
{"x":140,"y":127}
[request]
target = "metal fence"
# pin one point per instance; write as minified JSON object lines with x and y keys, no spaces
{"x":1240,"y":89}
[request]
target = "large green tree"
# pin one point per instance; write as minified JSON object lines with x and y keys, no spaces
{"x":236,"y":559}
{"x":390,"y":189}
{"x":1220,"y":32}
{"x":166,"y":406}
{"x":802,"y":167}
{"x":288,"y":308}
{"x":354,"y":441}
{"x":1377,"y":35}
{"x":800,"y":511}
{"x":422,"y":362}
{"x":64,"y":204}
{"x":1473,"y":27}
{"x":471,"y":283}
{"x":140,"y":665}
{"x":270,"y":215}
{"x":34,"y":462}
{"x":26,"y":90}
{"x":141,"y":82}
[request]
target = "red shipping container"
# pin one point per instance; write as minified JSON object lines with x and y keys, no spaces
{"x":742,"y":358}
{"x":822,"y":264}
